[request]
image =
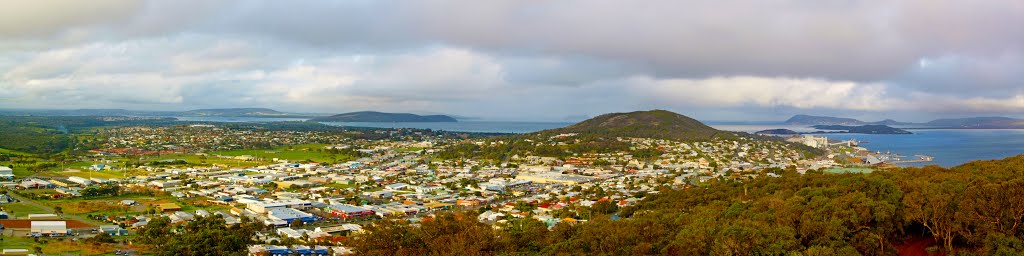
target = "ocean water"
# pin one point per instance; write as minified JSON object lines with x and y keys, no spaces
{"x":949,"y":147}
{"x":464,"y":126}
{"x":235,"y":119}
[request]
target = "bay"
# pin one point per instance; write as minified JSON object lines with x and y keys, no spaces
{"x":226,"y":119}
{"x":950,"y":147}
{"x":463,"y":126}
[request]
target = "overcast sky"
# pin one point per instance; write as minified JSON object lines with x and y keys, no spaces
{"x":520,"y":60}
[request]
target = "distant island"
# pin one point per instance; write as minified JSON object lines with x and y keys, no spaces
{"x":863,"y":129}
{"x":373,"y":116}
{"x":777,"y":132}
{"x":978,"y":123}
{"x":828,"y":120}
{"x":949,"y":123}
{"x":216,"y":112}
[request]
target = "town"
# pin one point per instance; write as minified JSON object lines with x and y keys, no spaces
{"x":314,"y":188}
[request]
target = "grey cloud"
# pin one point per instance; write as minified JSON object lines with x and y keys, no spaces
{"x":992,"y":76}
{"x":44,"y":18}
{"x":851,"y":40}
{"x":553,"y":58}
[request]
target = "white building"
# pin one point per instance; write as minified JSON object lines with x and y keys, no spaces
{"x":80,"y":180}
{"x":811,"y":141}
{"x":6,"y":173}
{"x":49,"y":228}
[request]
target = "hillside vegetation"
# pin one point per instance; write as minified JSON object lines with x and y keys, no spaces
{"x":657,"y":124}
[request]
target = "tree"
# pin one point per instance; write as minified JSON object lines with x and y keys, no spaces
{"x":521,"y":235}
{"x":605,"y":207}
{"x":270,"y":186}
{"x":936,"y":206}
{"x":211,"y":232}
{"x":995,"y":209}
{"x":155,"y":231}
{"x":102,"y":237}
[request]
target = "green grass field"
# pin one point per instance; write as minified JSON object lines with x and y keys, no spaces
{"x":291,"y":153}
{"x":295,"y":153}
{"x":21,"y":209}
{"x":14,"y":153}
{"x":91,"y":174}
{"x":17,"y":242}
{"x":19,"y":171}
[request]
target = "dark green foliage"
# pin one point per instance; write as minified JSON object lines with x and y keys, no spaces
{"x":448,"y":234}
{"x":54,"y":134}
{"x":202,"y":236}
{"x":102,"y":237}
{"x":102,"y":190}
{"x":32,"y":137}
{"x":168,"y":163}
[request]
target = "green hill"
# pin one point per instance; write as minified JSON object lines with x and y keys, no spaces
{"x":656,"y":124}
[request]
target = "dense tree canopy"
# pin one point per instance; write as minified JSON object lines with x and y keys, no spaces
{"x":202,"y":236}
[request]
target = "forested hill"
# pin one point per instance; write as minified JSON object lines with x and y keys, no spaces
{"x":974,"y":209}
{"x":372,"y":116}
{"x":53,"y":134}
{"x":658,"y":124}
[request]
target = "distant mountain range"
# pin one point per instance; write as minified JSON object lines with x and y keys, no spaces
{"x":372,"y":116}
{"x":235,"y":112}
{"x":222,"y":112}
{"x":363,"y":116}
{"x":657,"y":124}
{"x":828,"y":120}
{"x":835,"y":128}
{"x":979,"y":123}
{"x":951,"y":123}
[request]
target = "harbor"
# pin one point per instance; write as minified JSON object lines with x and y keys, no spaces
{"x":896,"y":159}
